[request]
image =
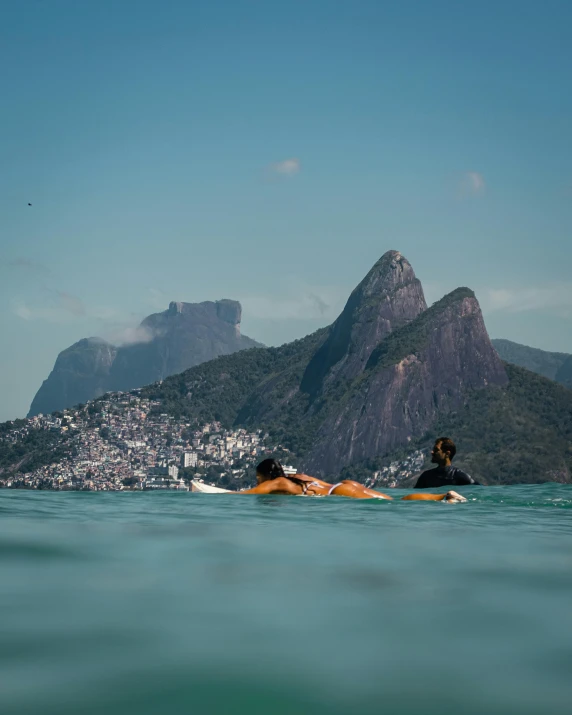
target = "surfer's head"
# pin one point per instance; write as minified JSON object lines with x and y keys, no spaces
{"x":443,"y":451}
{"x":269,"y":469}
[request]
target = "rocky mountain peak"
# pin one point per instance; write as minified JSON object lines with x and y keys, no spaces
{"x":423,"y":369}
{"x":175,"y":307}
{"x":184,"y":335}
{"x":389,"y":297}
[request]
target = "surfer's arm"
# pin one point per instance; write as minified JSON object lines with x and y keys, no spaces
{"x":274,"y":486}
{"x":449,"y":496}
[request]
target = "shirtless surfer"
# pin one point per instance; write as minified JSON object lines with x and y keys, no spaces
{"x":271,"y":479}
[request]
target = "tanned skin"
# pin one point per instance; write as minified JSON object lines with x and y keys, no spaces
{"x":347,"y":488}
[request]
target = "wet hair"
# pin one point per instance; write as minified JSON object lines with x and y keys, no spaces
{"x":447,"y":445}
{"x":270,"y":469}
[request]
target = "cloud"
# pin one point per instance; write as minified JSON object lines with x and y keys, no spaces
{"x":309,"y":304}
{"x":556,"y":299}
{"x":287,"y":167}
{"x":47,"y":313}
{"x":62,"y":307}
{"x":472,"y":184}
{"x":128,"y":335}
{"x":22,"y":310}
{"x":103,"y":312}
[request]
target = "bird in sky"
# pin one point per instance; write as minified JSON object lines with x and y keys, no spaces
{"x":29,"y":204}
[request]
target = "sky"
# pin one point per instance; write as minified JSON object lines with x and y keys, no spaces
{"x":271,"y":152}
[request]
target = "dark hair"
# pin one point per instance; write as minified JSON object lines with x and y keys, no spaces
{"x":270,"y":469}
{"x":447,"y":445}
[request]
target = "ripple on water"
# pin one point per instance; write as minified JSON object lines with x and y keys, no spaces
{"x":171,"y":603}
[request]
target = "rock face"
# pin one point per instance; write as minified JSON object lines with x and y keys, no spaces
{"x":388,"y":374}
{"x":389,"y":297}
{"x":81,"y":372}
{"x":183,"y":336}
{"x":186,"y":334}
{"x":424,"y":369}
{"x":383,"y":373}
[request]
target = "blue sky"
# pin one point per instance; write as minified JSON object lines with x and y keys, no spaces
{"x":271,"y":152}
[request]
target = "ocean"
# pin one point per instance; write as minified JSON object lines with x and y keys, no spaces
{"x":144,"y":603}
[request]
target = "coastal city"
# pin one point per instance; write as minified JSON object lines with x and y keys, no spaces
{"x":122,"y":442}
{"x":398,"y":472}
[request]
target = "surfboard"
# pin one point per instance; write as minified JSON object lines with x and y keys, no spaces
{"x":206,"y":488}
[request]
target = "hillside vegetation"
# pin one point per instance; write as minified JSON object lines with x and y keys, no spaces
{"x":547,"y":364}
{"x":504,"y":435}
{"x":518,"y":434}
{"x":35,"y":449}
{"x":219,"y":389}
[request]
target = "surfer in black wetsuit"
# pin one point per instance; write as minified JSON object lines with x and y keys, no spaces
{"x":444,"y":474}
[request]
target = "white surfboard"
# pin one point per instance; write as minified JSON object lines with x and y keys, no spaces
{"x":206,"y":488}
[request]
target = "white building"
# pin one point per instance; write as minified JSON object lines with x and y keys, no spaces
{"x":190,"y":459}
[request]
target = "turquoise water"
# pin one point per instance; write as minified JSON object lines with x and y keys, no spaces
{"x":194,"y":603}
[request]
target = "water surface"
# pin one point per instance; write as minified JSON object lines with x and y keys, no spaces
{"x":195,"y":603}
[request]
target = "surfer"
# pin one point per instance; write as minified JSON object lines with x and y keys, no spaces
{"x":271,"y":479}
{"x":444,"y":474}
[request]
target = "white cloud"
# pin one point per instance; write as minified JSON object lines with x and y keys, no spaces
{"x":472,"y":184}
{"x":556,"y":298}
{"x":128,"y":335}
{"x":103,"y":312}
{"x":115,"y":327}
{"x":22,"y":310}
{"x":287,"y":167}
{"x":304,"y":304}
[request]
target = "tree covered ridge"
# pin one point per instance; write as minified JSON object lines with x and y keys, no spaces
{"x":219,"y":389}
{"x":536,"y":360}
{"x":411,"y":338}
{"x":35,"y":449}
{"x":505,"y":434}
{"x":518,"y":433}
{"x":521,"y":433}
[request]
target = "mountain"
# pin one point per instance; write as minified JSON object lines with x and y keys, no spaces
{"x":555,"y":366}
{"x":389,"y":297}
{"x":386,"y":378}
{"x":564,"y":374}
{"x":81,"y":372}
{"x":186,"y":334}
{"x":420,"y":371}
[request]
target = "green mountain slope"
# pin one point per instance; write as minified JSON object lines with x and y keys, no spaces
{"x":505,"y":434}
{"x":540,"y":361}
{"x":387,"y":377}
{"x":522,"y":433}
{"x":220,"y":389}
